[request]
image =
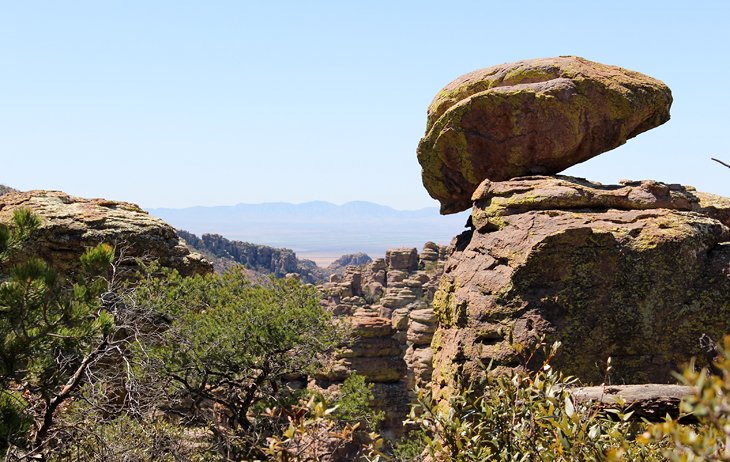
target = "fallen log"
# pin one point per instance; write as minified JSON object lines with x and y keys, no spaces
{"x":650,"y":401}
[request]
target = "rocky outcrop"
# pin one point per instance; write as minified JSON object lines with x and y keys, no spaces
{"x":352,"y":259}
{"x":538,"y":116}
{"x":6,"y":189}
{"x":71,"y":224}
{"x":387,"y":304}
{"x":636,"y":272}
{"x":495,"y":200}
{"x":259,"y":258}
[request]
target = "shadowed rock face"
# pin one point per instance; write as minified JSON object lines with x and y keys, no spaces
{"x":636,"y":272}
{"x":531,"y":117}
{"x":71,"y":224}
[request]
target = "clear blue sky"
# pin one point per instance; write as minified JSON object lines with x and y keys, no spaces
{"x":178,"y":103}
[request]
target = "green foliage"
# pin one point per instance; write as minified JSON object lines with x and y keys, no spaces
{"x":238,"y":345}
{"x":411,"y":446}
{"x":14,"y":421}
{"x":527,"y":416}
{"x":124,"y":438}
{"x":47,"y":324}
{"x":710,"y":405}
{"x":12,"y":237}
{"x":318,"y":428}
{"x":354,"y":403}
{"x":50,"y":327}
{"x":313,"y":434}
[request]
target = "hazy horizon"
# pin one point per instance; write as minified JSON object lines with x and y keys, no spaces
{"x":339,"y":204}
{"x":319,"y":230}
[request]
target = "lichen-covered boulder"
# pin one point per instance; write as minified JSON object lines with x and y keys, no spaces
{"x":636,"y":272}
{"x":532,"y":117}
{"x":69,"y":225}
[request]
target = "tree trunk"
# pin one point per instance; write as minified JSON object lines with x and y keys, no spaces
{"x":651,"y":401}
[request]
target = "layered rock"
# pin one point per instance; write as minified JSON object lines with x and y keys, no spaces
{"x":387,"y":303}
{"x":71,"y":224}
{"x":538,"y":116}
{"x":636,"y":272}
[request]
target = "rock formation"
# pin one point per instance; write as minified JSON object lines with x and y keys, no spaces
{"x":71,"y":224}
{"x":387,"y":304}
{"x":352,"y":259}
{"x":636,"y":271}
{"x":6,"y":189}
{"x":539,"y":116}
{"x":260,"y":258}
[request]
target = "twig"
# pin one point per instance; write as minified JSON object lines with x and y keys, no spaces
{"x":720,"y":162}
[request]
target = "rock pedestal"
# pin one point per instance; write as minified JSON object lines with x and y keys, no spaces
{"x":636,"y":272}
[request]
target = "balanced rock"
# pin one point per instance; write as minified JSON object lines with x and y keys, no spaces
{"x":636,"y":272}
{"x":532,"y":117}
{"x":71,"y":224}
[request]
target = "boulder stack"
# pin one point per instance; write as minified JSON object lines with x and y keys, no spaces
{"x":636,"y":271}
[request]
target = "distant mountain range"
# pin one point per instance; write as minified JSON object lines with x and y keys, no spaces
{"x":319,"y":230}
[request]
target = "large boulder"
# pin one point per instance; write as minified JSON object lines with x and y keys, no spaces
{"x":532,"y":117}
{"x":71,"y":224}
{"x":636,"y":272}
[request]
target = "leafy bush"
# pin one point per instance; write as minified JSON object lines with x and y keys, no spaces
{"x":354,"y":403}
{"x":96,"y":438}
{"x":343,"y":427}
{"x":233,"y":349}
{"x":51,"y":330}
{"x":410,"y":447}
{"x":527,"y":416}
{"x":313,"y":434}
{"x":709,"y":439}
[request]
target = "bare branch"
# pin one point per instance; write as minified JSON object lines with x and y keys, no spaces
{"x":720,"y":162}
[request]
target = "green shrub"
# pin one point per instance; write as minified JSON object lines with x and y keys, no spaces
{"x":235,"y":346}
{"x":15,"y":423}
{"x":354,"y":403}
{"x":709,"y":439}
{"x":527,"y":416}
{"x":410,"y":447}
